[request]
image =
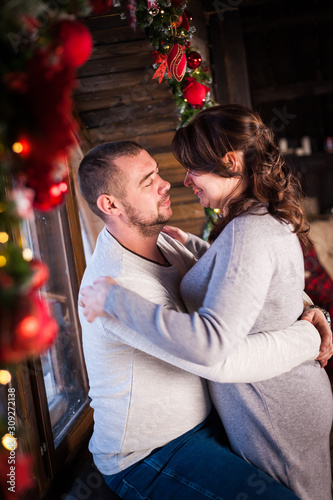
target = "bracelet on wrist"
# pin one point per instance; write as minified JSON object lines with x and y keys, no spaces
{"x":326,"y":313}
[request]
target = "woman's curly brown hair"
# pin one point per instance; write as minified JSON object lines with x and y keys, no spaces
{"x":201,"y":145}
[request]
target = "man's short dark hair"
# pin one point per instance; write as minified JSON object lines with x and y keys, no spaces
{"x":98,"y":174}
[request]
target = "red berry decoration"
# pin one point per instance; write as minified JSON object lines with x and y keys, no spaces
{"x":195,"y":93}
{"x":193,"y":59}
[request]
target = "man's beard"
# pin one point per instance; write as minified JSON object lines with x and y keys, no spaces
{"x":150,"y":225}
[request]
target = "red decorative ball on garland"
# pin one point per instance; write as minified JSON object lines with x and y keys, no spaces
{"x":195,"y":92}
{"x":193,"y":59}
{"x":76,"y":42}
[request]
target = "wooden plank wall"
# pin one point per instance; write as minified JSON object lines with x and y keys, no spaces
{"x":117,"y":99}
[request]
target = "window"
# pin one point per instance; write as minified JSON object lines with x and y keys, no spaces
{"x":53,"y":389}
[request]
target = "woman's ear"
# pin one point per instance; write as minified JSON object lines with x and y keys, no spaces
{"x":107,"y":204}
{"x":234,"y":161}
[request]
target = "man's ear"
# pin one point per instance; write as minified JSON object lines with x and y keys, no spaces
{"x":108,"y":204}
{"x":233,"y":159}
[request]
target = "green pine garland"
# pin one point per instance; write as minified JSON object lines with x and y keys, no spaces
{"x":162,"y":37}
{"x":163,"y":32}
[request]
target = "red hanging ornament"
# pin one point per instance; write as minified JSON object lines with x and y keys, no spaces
{"x":193,"y":59}
{"x":177,"y":61}
{"x":195,"y":92}
{"x":75,"y":42}
{"x":160,"y":59}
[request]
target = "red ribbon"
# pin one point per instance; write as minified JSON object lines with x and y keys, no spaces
{"x":160,"y":59}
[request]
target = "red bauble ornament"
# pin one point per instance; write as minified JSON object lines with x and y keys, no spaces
{"x":75,"y":41}
{"x":193,"y":59}
{"x":195,"y":92}
{"x":177,"y":61}
{"x":26,"y":329}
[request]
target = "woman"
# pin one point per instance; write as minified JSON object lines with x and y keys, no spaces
{"x":249,"y":280}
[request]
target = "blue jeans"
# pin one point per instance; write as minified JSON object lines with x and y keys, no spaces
{"x":196,"y":466}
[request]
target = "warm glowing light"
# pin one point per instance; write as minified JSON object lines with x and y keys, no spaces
{"x":17,"y":147}
{"x":27,"y":254}
{"x":21,"y":147}
{"x":63,"y":187}
{"x":3,"y":261}
{"x":217,"y":210}
{"x":29,"y":326}
{"x":55,"y":191}
{"x":185,"y":100}
{"x":4,"y":237}
{"x":5,"y":377}
{"x":9,"y":442}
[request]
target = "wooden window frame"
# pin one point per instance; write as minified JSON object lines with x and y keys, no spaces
{"x":32,"y":403}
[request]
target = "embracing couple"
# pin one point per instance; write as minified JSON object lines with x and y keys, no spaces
{"x":203,"y":382}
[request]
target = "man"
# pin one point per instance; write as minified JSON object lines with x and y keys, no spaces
{"x":154,"y":433}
